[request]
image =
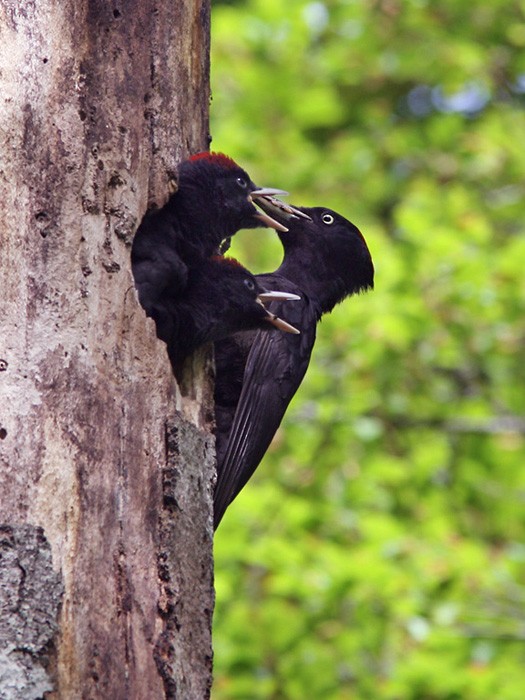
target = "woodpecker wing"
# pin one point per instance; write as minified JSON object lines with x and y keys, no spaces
{"x":275,"y":366}
{"x":158,"y":269}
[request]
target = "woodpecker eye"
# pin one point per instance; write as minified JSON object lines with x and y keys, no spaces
{"x":249,"y":284}
{"x":328,"y":219}
{"x":242,"y":183}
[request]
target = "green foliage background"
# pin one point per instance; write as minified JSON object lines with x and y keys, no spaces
{"x":379,"y":551}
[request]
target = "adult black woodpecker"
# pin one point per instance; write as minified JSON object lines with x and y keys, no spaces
{"x":214,"y":199}
{"x":221,"y":297}
{"x":326,"y":259}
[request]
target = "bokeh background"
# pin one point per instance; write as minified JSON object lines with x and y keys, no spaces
{"x":379,"y":552}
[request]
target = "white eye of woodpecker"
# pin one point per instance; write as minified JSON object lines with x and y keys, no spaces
{"x":249,"y":284}
{"x":328,"y":219}
{"x":242,"y":183}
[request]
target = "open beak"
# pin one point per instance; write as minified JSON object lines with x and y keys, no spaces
{"x":272,"y":318}
{"x":274,"y":207}
{"x":268,"y":192}
{"x":278,"y":296}
{"x":282,"y":325}
{"x":266,"y":219}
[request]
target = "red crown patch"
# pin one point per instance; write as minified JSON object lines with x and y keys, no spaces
{"x":227,"y":261}
{"x":217,"y":158}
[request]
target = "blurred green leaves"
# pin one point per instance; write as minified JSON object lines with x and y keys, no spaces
{"x":378,"y":552}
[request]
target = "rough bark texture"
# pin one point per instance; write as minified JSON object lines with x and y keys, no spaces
{"x":105,"y":462}
{"x":30,"y":595}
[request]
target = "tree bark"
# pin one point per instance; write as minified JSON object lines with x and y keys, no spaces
{"x":105,"y":462}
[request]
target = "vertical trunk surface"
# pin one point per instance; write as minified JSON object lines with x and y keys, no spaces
{"x":105,"y":465}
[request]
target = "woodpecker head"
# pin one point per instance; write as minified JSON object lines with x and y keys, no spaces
{"x":219,"y":198}
{"x":330,"y":247}
{"x":241,"y":299}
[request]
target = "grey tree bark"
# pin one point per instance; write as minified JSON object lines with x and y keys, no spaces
{"x":106,"y":463}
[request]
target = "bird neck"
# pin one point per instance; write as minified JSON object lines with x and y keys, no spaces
{"x":327,"y":274}
{"x":307,"y":270}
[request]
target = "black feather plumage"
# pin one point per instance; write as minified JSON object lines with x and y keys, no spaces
{"x":325,"y":260}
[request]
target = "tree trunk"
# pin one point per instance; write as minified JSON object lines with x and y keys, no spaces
{"x":105,"y":462}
